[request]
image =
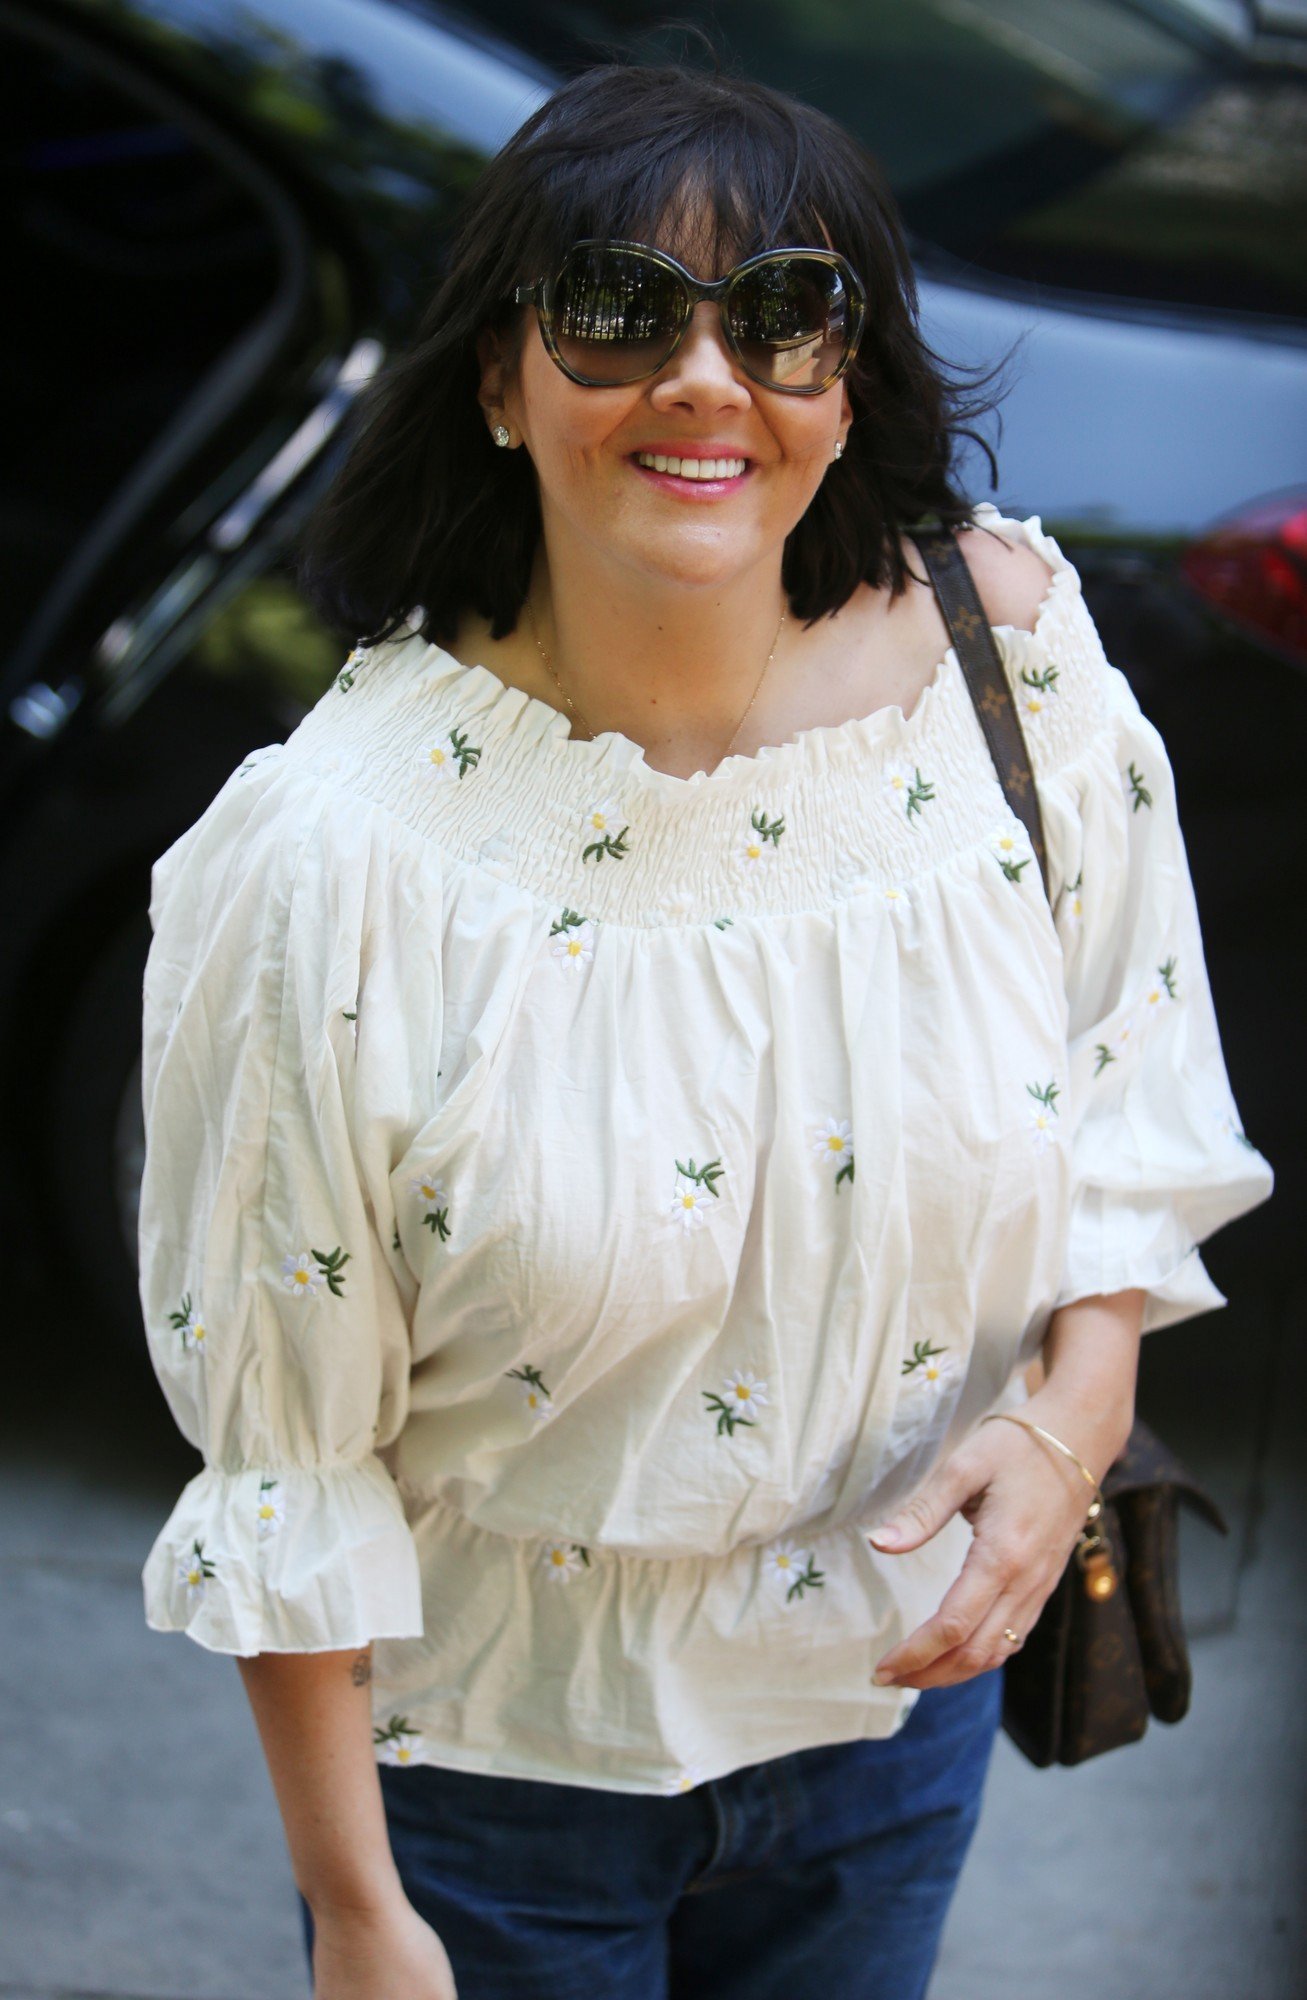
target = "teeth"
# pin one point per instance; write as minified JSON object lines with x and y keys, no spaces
{"x":694,"y":468}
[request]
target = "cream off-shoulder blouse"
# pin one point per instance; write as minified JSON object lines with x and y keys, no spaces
{"x":580,"y":1201}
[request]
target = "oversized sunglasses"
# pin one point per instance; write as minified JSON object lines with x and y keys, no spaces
{"x":616,"y":312}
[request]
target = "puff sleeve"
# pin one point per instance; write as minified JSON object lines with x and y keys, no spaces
{"x":1159,"y":1156}
{"x":277,"y":1303}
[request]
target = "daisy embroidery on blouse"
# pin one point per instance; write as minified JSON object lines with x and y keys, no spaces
{"x":435,"y":1199}
{"x":683,"y":1781}
{"x":538,"y":1401}
{"x":928,"y":1365}
{"x":398,"y":1743}
{"x":794,"y":1571}
{"x":564,"y":1560}
{"x":905,"y":782}
{"x":300,"y":1276}
{"x":742,"y":1394}
{"x":599,"y":820}
{"x":1042,"y":1113}
{"x":693,"y":1184}
{"x":190,"y":1326}
{"x":194,"y":1570}
{"x":1036,"y":690}
{"x":762,"y":844}
{"x":573,"y":940}
{"x":1162,"y":990}
{"x":896,"y":899}
{"x":1072,"y":904}
{"x":1110,"y":1052}
{"x":345,"y":678}
{"x":270,"y":1512}
{"x":1135,"y":789}
{"x":1009,"y":847}
{"x":451,"y":756}
{"x":833,"y":1142}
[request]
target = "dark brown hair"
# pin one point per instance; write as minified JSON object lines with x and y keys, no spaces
{"x":424,"y":510}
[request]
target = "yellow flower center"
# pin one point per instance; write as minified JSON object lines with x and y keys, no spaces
{"x":897,"y":780}
{"x":932,"y":1371}
{"x":574,"y":947}
{"x":438,"y":755}
{"x":193,"y":1575}
{"x":743,"y":1391}
{"x":301,"y":1276}
{"x":558,"y":1557}
{"x":266,"y":1511}
{"x":782,"y":1562}
{"x":687,"y":1199}
{"x":834,"y":1141}
{"x":198,"y":1331}
{"x":428,"y":1192}
{"x":753,"y":850}
{"x":402,"y":1753}
{"x":598,"y":820}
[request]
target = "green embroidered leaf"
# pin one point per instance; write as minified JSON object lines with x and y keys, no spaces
{"x":610,"y":844}
{"x":728,"y":1420}
{"x":1043,"y":682}
{"x":1045,"y":1095}
{"x":918,"y":793}
{"x":1104,"y":1057}
{"x":578,"y":1549}
{"x":809,"y":1578}
{"x":568,"y":921}
{"x":922,"y":1352}
{"x":395,"y":1730}
{"x":703,"y":1176}
{"x":181,"y":1320}
{"x":1140,"y":796}
{"x":465,"y":753}
{"x":532,"y":1376}
{"x":1012,"y":869}
{"x":331,"y":1263}
{"x":437,"y":1220}
{"x":721,"y":922}
{"x":348,"y":1015}
{"x":845,"y":1173}
{"x":1166,"y":973}
{"x":768,"y":829}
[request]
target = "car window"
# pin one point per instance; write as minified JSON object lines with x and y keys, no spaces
{"x":136,"y":261}
{"x":1111,"y":147}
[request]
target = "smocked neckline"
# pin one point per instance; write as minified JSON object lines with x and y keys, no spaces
{"x":611,"y":753}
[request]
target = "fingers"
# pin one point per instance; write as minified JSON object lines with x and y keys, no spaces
{"x":985,"y":1647}
{"x":986,"y":1578}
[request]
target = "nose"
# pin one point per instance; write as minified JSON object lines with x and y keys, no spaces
{"x":703,"y":362}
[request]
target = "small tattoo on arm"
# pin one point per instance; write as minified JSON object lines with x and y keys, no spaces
{"x":361,"y":1669}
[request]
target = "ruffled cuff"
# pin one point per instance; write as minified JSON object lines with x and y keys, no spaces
{"x":287,"y":1561}
{"x":1113,"y":1246}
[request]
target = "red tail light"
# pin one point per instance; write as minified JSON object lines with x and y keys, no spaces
{"x":1252,"y":568}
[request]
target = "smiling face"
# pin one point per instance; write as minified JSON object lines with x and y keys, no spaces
{"x":585,"y":446}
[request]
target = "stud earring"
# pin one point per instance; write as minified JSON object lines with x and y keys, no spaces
{"x":839,"y":447}
{"x":501,"y":436}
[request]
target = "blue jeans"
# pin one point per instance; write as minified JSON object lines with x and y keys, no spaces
{"x":825,"y":1873}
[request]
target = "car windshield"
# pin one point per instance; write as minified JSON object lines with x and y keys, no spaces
{"x":1126,"y":148}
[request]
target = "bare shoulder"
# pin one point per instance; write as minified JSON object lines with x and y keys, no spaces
{"x":1012,"y":580}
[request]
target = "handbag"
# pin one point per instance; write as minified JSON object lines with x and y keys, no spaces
{"x":1108,"y":1650}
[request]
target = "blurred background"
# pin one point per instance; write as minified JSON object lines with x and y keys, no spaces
{"x":218,"y":219}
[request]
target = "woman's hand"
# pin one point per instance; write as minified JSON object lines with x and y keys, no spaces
{"x":378,"y":1953}
{"x":1026,"y":1504}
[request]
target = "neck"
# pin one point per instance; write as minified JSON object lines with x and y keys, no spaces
{"x":670,"y":663}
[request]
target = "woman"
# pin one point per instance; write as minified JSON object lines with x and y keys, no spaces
{"x":604,"y":1166}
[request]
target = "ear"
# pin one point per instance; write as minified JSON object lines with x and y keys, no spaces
{"x":491,"y":360}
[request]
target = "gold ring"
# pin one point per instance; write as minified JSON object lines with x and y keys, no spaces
{"x":1013,"y":1638}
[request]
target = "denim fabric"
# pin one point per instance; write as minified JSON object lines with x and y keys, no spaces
{"x":828,"y":1873}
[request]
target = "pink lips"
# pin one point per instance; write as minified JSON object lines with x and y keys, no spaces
{"x":690,"y":489}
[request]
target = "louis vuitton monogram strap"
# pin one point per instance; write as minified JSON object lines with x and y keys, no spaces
{"x":987,"y":683}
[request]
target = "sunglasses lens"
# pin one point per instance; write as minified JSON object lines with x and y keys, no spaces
{"x":615,"y":314}
{"x":792,"y":320}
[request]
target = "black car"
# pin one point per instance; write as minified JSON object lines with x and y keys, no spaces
{"x":221,"y":217}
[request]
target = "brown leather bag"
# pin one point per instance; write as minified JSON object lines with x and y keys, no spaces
{"x":1093,"y":1668}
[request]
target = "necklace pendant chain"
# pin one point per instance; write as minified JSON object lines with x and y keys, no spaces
{"x":586,"y":726}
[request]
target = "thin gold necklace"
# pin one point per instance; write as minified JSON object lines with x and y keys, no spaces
{"x":586,"y":726}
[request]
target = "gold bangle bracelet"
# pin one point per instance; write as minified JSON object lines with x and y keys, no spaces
{"x":1093,"y":1551}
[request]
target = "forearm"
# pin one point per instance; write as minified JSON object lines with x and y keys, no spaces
{"x":1089,"y":1373}
{"x":314,"y":1720}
